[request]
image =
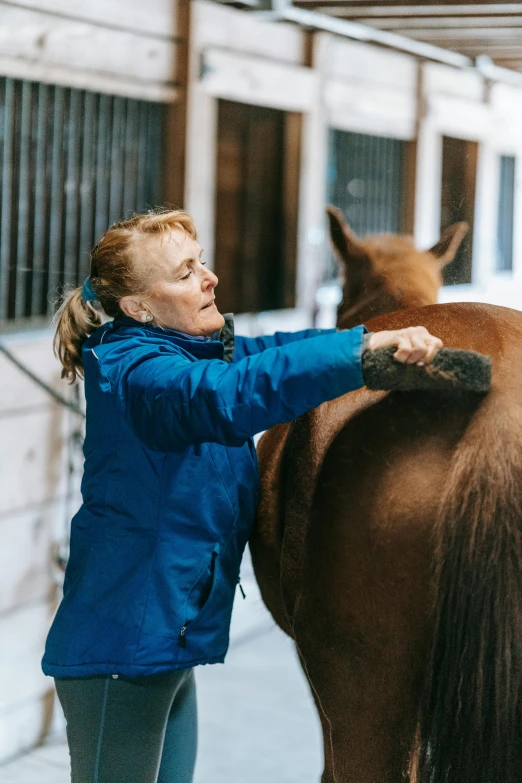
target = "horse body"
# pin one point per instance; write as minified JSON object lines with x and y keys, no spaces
{"x":388,"y":546}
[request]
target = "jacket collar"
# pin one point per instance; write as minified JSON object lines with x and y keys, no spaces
{"x":202,"y":347}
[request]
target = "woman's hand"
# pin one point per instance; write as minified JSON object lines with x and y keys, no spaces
{"x":415,"y":345}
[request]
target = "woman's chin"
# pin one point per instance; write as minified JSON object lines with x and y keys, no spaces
{"x":212,"y":321}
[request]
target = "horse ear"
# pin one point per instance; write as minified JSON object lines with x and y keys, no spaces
{"x":445,"y":249}
{"x":348,"y":246}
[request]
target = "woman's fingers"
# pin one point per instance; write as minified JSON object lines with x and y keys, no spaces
{"x":433,"y":346}
{"x":415,"y":345}
{"x":404,"y":348}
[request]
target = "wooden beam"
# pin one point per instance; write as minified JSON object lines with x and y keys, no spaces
{"x":493,"y":50}
{"x":239,"y":77}
{"x":479,"y":23}
{"x":387,"y":11}
{"x":496,"y":52}
{"x":507,"y":36}
{"x":435,"y":4}
{"x":57,"y":42}
{"x":156,"y":17}
{"x":514,"y":63}
{"x":176,"y":115}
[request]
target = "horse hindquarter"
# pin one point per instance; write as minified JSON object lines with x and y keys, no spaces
{"x":410,"y":551}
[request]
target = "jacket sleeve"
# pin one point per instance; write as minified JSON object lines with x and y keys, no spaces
{"x":172,"y":402}
{"x":248,"y":346}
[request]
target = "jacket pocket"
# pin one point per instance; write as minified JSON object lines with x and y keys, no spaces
{"x":200,"y":595}
{"x":115,"y":577}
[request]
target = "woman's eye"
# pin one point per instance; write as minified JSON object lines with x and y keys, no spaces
{"x":187,"y":275}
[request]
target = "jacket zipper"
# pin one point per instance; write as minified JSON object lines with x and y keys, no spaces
{"x":182,"y":637}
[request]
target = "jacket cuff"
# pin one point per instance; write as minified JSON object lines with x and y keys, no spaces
{"x":366,"y":341}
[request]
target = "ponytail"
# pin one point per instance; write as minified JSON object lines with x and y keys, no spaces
{"x":76,"y":320}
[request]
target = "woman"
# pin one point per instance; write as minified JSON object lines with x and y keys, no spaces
{"x":170,"y":487}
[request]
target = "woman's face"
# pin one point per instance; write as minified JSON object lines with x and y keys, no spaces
{"x":182,"y":289}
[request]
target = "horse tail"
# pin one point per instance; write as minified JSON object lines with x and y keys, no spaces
{"x":470,"y":728}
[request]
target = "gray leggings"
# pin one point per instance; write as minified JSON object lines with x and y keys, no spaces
{"x":131,"y":730}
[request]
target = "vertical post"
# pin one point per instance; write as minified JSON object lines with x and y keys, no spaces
{"x":485,"y":219}
{"x":314,"y":162}
{"x":201,"y":142}
{"x":174,"y":135}
{"x":428,"y":179}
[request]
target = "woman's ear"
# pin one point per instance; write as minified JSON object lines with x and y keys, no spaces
{"x":134,"y":307}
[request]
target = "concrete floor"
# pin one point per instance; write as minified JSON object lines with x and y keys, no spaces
{"x":257,"y":722}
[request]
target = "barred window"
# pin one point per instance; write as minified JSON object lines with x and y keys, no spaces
{"x":71,"y":163}
{"x":365,"y":180}
{"x":506,"y":205}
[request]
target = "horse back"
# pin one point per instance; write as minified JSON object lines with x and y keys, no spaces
{"x":367,"y":462}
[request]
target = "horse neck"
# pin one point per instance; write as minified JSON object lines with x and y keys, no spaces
{"x":377,"y":303}
{"x":370,"y":306}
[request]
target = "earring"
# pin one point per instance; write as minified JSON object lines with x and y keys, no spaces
{"x":148,"y":317}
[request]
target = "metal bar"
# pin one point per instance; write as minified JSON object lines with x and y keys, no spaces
{"x":55,"y":253}
{"x":102,"y":173}
{"x":48,"y":389}
{"x":142,"y":158}
{"x":7,"y":186}
{"x":130,"y":164}
{"x":153,"y":169}
{"x":22,"y":223}
{"x":40,"y":201}
{"x":87,"y":184}
{"x":71,"y":187}
{"x":116,"y":160}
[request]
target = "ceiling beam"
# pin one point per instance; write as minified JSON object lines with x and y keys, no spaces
{"x":284,"y":10}
{"x":362,"y":12}
{"x":495,"y":52}
{"x":490,"y":35}
{"x":474,"y":23}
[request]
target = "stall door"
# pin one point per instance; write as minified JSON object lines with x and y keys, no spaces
{"x":256,"y":207}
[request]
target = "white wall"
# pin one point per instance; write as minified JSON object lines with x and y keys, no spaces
{"x":124,"y":47}
{"x":35,"y":502}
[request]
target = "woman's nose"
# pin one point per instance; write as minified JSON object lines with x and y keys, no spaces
{"x":211,"y":280}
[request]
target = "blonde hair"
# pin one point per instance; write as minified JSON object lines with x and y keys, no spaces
{"x":115,"y":272}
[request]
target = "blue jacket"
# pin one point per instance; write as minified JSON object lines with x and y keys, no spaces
{"x":170,"y":487}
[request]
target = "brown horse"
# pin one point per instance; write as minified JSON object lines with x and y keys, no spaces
{"x":389,"y":542}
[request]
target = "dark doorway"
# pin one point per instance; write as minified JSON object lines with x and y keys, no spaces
{"x":459,"y":177}
{"x":256,"y":207}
